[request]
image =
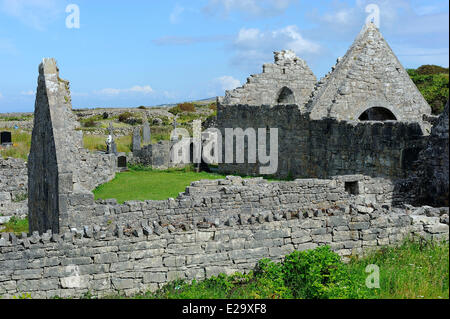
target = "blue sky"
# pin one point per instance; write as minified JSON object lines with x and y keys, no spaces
{"x":136,"y":52}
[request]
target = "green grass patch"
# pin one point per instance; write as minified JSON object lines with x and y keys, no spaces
{"x":16,"y":225}
{"x":413,"y":270}
{"x":21,"y":144}
{"x":98,"y":143}
{"x":149,"y":184}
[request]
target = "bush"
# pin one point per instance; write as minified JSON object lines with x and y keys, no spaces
{"x":183,"y":107}
{"x":89,"y":123}
{"x":433,"y":82}
{"x":317,"y":274}
{"x":142,"y":107}
{"x":431,"y":69}
{"x":124,"y":117}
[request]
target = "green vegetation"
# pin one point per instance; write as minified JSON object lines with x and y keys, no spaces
{"x":432,"y":81}
{"x":148,"y":184}
{"x":16,"y":225}
{"x":98,"y":143}
{"x":416,"y":269}
{"x":16,"y":118}
{"x":183,"y":107}
{"x":21,"y":144}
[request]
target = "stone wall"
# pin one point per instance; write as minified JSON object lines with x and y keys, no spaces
{"x":13,"y":188}
{"x":429,"y":184}
{"x":288,"y":81}
{"x":224,"y":202}
{"x":324,"y":148}
{"x":131,"y":260}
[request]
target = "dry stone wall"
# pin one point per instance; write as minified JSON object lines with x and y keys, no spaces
{"x":134,"y":260}
{"x":13,"y":188}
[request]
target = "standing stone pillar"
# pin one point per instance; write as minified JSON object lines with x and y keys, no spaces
{"x":54,"y":145}
{"x":146,"y":133}
{"x":136,"y":139}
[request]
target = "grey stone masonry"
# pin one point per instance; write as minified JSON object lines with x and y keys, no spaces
{"x":324,"y":148}
{"x":136,"y":139}
{"x":13,"y":188}
{"x":135,"y":259}
{"x":58,"y":167}
{"x":368,"y":76}
{"x":288,"y":81}
{"x":146,"y":133}
{"x":430,"y":183}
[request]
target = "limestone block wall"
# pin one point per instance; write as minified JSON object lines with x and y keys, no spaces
{"x":13,"y":187}
{"x":323,"y":148}
{"x":288,"y":71}
{"x":130,"y":260}
{"x":210,"y":203}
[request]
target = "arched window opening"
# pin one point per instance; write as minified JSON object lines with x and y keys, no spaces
{"x":377,"y":114}
{"x":286,"y":96}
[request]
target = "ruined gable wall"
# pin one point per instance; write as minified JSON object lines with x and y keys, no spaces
{"x":58,"y":167}
{"x":265,"y":88}
{"x":369,"y":75}
{"x":325,"y":148}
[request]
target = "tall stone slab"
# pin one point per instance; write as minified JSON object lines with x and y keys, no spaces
{"x":146,"y":133}
{"x":53,"y":151}
{"x":136,"y":144}
{"x":288,"y":81}
{"x":368,"y":83}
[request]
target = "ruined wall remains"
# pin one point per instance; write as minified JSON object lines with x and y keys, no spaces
{"x":13,"y":187}
{"x":429,"y":185}
{"x":324,"y":148}
{"x":59,"y":170}
{"x":288,"y":81}
{"x":131,"y":260}
{"x":368,"y":76}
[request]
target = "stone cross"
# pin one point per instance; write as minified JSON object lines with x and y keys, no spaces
{"x":146,"y":133}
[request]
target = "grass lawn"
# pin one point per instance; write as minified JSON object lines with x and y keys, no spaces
{"x":149,"y":185}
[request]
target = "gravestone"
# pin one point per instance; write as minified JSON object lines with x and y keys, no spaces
{"x":111,"y":147}
{"x":5,"y":138}
{"x":146,"y":133}
{"x":122,"y":161}
{"x":136,"y":139}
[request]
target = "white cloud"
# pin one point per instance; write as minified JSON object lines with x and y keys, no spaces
{"x":135,"y":89}
{"x":34,"y":13}
{"x":1,"y":95}
{"x":227,"y":82}
{"x":176,"y":13}
{"x":254,"y":46}
{"x":252,"y":8}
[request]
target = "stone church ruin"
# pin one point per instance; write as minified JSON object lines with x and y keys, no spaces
{"x":358,"y":175}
